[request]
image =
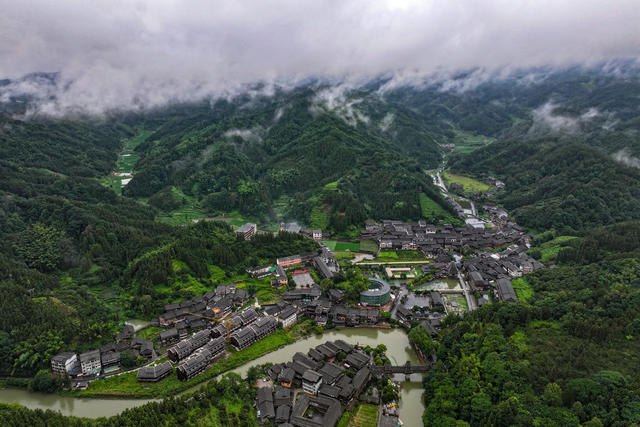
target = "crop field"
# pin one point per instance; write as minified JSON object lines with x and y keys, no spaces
{"x":433,"y":212}
{"x":367,"y":416}
{"x":524,"y":291}
{"x":369,"y":246}
{"x":470,"y":185}
{"x":388,"y":254}
{"x":467,"y":142}
{"x":341,"y":246}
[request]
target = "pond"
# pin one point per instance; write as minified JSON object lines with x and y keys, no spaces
{"x":439,"y":284}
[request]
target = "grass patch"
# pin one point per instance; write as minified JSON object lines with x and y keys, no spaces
{"x":344,"y":255}
{"x":331,"y":244}
{"x":550,"y":249}
{"x":368,"y":246}
{"x":365,"y":416}
{"x":216,"y":274}
{"x":524,"y":291}
{"x":262,"y":289}
{"x":430,"y":208}
{"x":331,"y":186}
{"x":150,"y":333}
{"x":182,"y":216}
{"x":466,"y":142}
{"x":335,"y":245}
{"x":346,"y":246}
{"x":388,"y":254}
{"x":126,"y":159}
{"x":434,"y":213}
{"x":460,"y":300}
{"x":410,"y":256}
{"x":318,"y":218}
{"x":470,"y":185}
{"x":399,"y":255}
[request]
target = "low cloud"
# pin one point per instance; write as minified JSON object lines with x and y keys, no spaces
{"x":336,"y":99}
{"x":546,"y":117}
{"x":120,"y":54}
{"x":387,"y":121}
{"x":625,"y":157}
{"x":247,"y":135}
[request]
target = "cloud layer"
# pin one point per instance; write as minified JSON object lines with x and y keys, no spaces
{"x":132,"y":54}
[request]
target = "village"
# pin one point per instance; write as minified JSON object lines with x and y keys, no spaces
{"x":450,"y":270}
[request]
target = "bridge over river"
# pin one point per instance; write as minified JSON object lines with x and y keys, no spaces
{"x":406,"y":369}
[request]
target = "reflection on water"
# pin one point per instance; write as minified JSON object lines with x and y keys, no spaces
{"x":90,"y":408}
{"x":398,"y":349}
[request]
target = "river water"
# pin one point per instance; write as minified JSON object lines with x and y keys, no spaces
{"x":398,"y":349}
{"x":90,"y":408}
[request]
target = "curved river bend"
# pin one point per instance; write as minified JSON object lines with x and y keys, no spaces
{"x":398,"y":349}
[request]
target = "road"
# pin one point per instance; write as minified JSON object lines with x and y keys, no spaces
{"x":471,"y":302}
{"x":473,"y":208}
{"x":439,"y":182}
{"x":395,"y":262}
{"x":398,"y":301}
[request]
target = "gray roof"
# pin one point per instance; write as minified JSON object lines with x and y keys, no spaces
{"x":90,"y":355}
{"x":311,"y":376}
{"x":287,"y":312}
{"x":329,"y":418}
{"x":360,"y":377}
{"x":505,"y":290}
{"x":152,"y":372}
{"x":62,"y":357}
{"x":380,"y":287}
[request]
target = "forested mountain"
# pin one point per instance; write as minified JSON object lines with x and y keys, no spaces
{"x":77,"y":258}
{"x":559,"y":182}
{"x":565,"y":357}
{"x":360,"y":158}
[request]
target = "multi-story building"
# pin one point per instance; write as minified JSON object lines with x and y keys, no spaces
{"x":90,"y":362}
{"x":311,"y":381}
{"x":64,"y":362}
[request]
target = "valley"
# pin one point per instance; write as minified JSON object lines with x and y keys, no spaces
{"x":498,"y":254}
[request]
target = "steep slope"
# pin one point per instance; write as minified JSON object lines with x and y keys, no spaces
{"x":290,"y":150}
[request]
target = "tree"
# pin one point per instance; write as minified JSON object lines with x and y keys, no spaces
{"x":419,"y":337}
{"x":44,"y":382}
{"x":40,"y":247}
{"x":552,"y":395}
{"x":127,"y":360}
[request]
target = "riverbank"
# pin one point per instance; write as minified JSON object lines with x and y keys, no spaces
{"x":126,"y":385}
{"x":398,"y":349}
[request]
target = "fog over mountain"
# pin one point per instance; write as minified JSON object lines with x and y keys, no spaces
{"x":129,"y":55}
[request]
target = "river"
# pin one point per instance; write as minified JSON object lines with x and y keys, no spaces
{"x":90,"y":408}
{"x":398,"y":349}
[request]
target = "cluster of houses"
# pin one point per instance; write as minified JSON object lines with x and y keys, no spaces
{"x":194,"y":354}
{"x":326,"y":379}
{"x":196,"y":313}
{"x":433,"y":240}
{"x":325,"y":309}
{"x":325,"y":263}
{"x":294,"y":227}
{"x":103,"y":360}
{"x":495,"y":270}
{"x":248,"y":230}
